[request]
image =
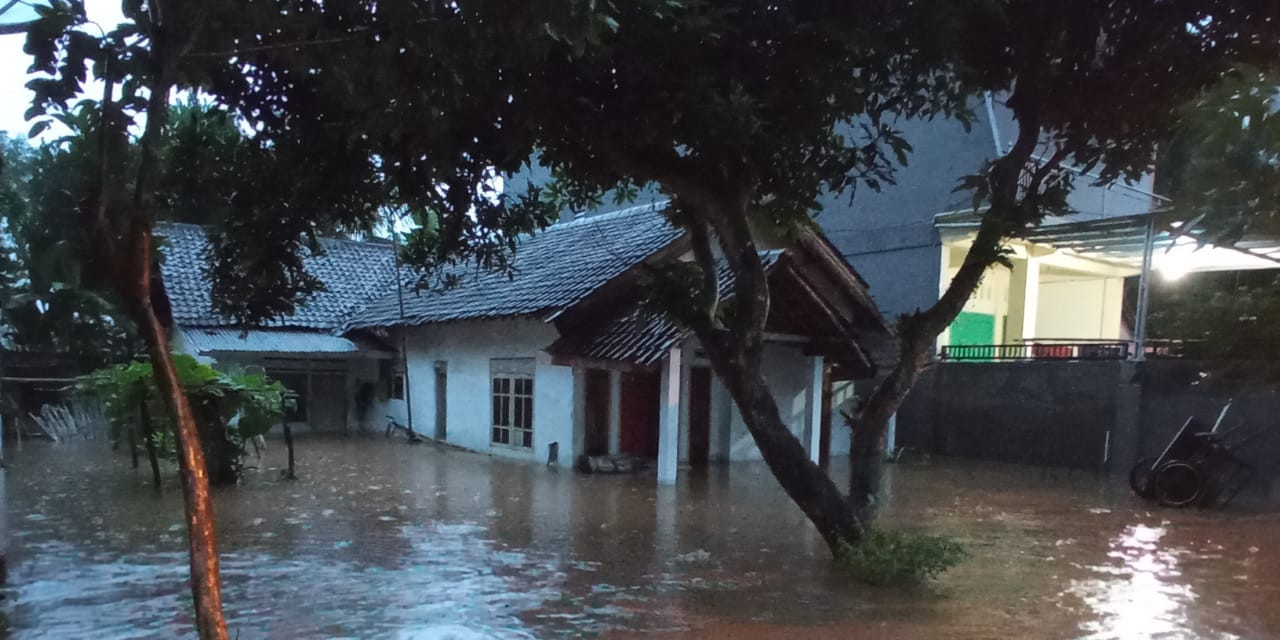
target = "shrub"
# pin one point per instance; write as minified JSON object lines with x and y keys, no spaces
{"x":894,"y":557}
{"x":229,"y":409}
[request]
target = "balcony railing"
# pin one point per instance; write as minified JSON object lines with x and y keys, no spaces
{"x":1040,"y":350}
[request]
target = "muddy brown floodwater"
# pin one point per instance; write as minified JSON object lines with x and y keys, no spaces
{"x":384,"y":540}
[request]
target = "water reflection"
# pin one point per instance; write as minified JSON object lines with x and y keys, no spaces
{"x":1139,"y":595}
{"x":385,"y":540}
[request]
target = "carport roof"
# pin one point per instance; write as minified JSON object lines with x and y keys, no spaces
{"x":1121,"y":241}
{"x":211,"y":340}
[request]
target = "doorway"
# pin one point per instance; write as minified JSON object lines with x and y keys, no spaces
{"x":596,"y":438}
{"x":442,"y":400}
{"x":699,"y":417}
{"x":638,"y":404}
{"x":328,"y":402}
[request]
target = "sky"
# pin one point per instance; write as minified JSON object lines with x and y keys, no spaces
{"x":14,"y":97}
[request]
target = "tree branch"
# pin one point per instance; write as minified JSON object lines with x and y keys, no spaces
{"x":709,"y":301}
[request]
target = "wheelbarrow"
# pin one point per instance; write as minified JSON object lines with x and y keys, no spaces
{"x":1197,"y":468}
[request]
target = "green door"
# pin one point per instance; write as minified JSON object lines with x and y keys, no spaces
{"x":973,"y":328}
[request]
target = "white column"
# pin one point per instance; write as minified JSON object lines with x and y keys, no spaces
{"x":813,"y":409}
{"x":1030,"y":298}
{"x":892,"y":437}
{"x":615,"y":412}
{"x":669,"y":419}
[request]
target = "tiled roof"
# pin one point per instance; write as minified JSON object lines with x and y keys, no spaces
{"x":208,"y":340}
{"x":551,"y":270}
{"x":352,"y":272}
{"x":634,"y":333}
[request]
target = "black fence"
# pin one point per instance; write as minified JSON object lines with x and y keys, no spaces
{"x":1040,"y":350}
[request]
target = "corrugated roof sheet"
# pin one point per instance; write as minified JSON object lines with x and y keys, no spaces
{"x":352,"y":272}
{"x":551,"y":270}
{"x":205,"y":340}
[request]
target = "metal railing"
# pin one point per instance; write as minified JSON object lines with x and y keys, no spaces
{"x":1040,"y":350}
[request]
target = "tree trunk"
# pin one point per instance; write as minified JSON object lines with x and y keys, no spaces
{"x":1008,"y":213}
{"x":135,"y":282}
{"x":205,"y":586}
{"x":867,"y":448}
{"x":119,"y":244}
{"x":150,"y":434}
{"x":804,"y":482}
{"x":134,"y":279}
{"x":736,"y":357}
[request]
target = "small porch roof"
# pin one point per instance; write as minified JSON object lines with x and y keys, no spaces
{"x":818,"y":301}
{"x":215,"y":340}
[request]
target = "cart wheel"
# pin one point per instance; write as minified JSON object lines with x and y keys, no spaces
{"x":1178,"y":484}
{"x":1140,"y":478}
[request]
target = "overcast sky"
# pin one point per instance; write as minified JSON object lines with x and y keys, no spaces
{"x":14,"y":97}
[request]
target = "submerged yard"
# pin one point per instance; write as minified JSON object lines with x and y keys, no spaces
{"x":380,"y":539}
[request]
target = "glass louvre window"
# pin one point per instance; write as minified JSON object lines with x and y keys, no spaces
{"x":512,"y":393}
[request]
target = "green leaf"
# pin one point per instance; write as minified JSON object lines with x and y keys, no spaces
{"x":38,"y":128}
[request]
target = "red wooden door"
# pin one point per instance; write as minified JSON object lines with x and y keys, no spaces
{"x":638,"y":431}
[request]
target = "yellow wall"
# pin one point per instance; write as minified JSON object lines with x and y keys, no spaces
{"x":1080,"y":307}
{"x":991,"y":298}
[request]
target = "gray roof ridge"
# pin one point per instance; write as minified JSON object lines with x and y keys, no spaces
{"x":382,"y":245}
{"x":192,"y":226}
{"x":171,"y":223}
{"x":656,"y":205}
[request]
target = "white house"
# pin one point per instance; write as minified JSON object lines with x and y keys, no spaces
{"x":558,"y":358}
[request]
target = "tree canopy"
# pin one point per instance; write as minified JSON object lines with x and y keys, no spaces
{"x":47,"y":306}
{"x":1229,"y":137}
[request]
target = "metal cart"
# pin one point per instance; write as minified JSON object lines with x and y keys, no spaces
{"x":1198,"y":467}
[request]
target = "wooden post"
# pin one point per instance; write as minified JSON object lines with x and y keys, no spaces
{"x":150,"y":434}
{"x":133,"y":447}
{"x":288,"y":442}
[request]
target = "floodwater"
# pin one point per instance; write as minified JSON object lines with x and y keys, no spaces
{"x":384,"y":540}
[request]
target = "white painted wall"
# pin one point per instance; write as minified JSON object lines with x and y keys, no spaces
{"x":786,"y":370}
{"x":842,"y":394}
{"x":468,"y":347}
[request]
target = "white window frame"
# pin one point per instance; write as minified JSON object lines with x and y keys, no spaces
{"x":511,"y":403}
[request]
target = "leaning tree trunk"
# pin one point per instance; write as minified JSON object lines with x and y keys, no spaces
{"x":205,"y":585}
{"x":917,"y":335}
{"x":1013,"y":207}
{"x":802,"y":479}
{"x":736,"y":357}
{"x":119,"y":240}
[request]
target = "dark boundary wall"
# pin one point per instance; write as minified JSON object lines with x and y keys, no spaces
{"x":1087,"y":415}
